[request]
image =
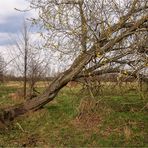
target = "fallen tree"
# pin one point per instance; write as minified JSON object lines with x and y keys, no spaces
{"x":104,"y":47}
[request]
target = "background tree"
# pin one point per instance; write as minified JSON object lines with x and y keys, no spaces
{"x":37,"y":70}
{"x":26,"y":46}
{"x":2,"y":68}
{"x":20,"y":52}
{"x":28,"y":59}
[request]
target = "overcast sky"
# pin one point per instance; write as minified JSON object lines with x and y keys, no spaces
{"x":11,"y":23}
{"x":10,"y":19}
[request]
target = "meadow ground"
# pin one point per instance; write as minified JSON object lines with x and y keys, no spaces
{"x":116,"y":117}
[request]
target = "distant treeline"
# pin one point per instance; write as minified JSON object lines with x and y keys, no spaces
{"x":20,"y":78}
{"x":112,"y":77}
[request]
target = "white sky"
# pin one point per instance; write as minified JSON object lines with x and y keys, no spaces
{"x":11,"y":20}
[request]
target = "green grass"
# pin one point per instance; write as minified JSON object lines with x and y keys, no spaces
{"x":4,"y":95}
{"x":115,"y":121}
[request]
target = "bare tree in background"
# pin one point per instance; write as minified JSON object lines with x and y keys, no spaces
{"x":37,"y":70}
{"x":102,"y":33}
{"x":19,"y":53}
{"x":26,"y":48}
{"x":2,"y":68}
{"x":28,"y":60}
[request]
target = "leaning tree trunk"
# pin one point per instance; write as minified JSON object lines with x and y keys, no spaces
{"x":7,"y":115}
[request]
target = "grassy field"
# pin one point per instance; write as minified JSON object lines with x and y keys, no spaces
{"x":118,"y":117}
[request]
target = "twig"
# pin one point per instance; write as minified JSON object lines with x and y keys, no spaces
{"x":20,"y":127}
